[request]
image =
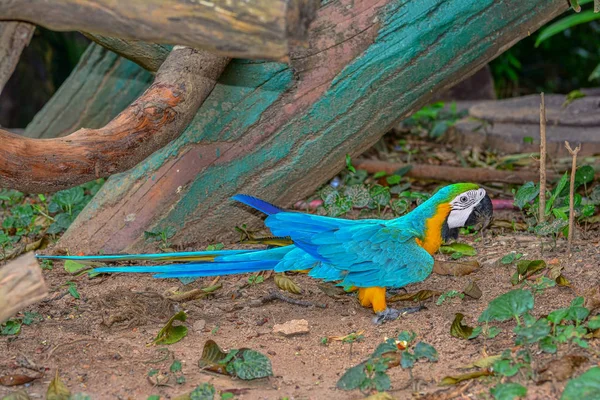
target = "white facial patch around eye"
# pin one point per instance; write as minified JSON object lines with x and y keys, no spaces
{"x":462,"y":207}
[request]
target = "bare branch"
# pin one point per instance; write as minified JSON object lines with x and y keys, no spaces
{"x":572,"y":193}
{"x":14,"y":37}
{"x":160,"y":115}
{"x":542,"y":209}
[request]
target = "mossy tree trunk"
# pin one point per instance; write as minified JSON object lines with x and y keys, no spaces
{"x":279,"y":131}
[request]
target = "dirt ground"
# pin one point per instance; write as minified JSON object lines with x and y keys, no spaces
{"x":114,"y":361}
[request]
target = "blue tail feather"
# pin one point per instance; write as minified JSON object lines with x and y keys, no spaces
{"x":259,"y":204}
{"x":157,"y":256}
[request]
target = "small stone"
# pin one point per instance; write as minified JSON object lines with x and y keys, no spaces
{"x":293,"y":327}
{"x":199,"y":325}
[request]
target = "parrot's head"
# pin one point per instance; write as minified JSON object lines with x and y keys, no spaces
{"x":469,"y":206}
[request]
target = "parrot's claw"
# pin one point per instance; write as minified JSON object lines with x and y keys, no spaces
{"x":391,"y":314}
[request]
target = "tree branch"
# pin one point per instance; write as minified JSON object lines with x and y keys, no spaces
{"x":450,"y":174}
{"x":149,"y":56}
{"x":160,"y":115}
{"x":263,"y":29}
{"x":14,"y":37}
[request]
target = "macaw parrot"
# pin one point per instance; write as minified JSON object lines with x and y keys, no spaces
{"x":370,"y":254}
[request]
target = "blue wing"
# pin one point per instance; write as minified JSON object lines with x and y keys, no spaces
{"x":365,"y":253}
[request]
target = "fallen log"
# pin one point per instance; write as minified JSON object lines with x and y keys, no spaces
{"x":160,"y":115}
{"x":21,"y":284}
{"x":264,"y":29}
{"x":14,"y":36}
{"x":279,"y":132}
{"x":451,"y":174}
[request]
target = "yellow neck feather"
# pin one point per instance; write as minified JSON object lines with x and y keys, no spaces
{"x":432,"y":239}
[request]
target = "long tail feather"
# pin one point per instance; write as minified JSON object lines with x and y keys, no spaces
{"x":226,"y":263}
{"x":195,"y":269}
{"x":177,"y":256}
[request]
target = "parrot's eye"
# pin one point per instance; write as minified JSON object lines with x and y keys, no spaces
{"x":463,"y":199}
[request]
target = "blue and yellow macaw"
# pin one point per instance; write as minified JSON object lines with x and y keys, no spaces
{"x":370,"y":255}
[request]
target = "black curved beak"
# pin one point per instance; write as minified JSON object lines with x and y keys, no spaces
{"x":482,"y":213}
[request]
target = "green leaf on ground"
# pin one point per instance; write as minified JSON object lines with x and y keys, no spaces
{"x":586,"y":386}
{"x":508,"y":391}
{"x":245,"y":364}
{"x":425,"y":350}
{"x":73,"y":266}
{"x":507,"y":306}
{"x":170,"y":333}
{"x":462,"y":248}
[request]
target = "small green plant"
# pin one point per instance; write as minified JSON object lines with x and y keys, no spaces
{"x":47,"y":264}
{"x":449,"y":295}
{"x":557,"y":204}
{"x":371,"y":374}
{"x":434,"y":119}
{"x":255,"y":279}
{"x":161,"y":235}
{"x":176,"y":370}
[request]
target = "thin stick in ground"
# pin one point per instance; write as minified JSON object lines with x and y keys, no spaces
{"x":542,"y":210}
{"x":572,"y":193}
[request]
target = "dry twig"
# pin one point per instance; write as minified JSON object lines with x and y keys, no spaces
{"x":542,"y":160}
{"x":572,"y":193}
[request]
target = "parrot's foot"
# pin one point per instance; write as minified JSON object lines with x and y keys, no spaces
{"x":391,"y":314}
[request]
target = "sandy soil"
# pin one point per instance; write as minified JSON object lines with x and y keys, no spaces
{"x":113,"y":361}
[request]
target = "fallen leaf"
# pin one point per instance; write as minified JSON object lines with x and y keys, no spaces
{"x":15,"y":380}
{"x":562,"y":281}
{"x":458,"y":330}
{"x":503,"y":223}
{"x":286,"y":283}
{"x":57,"y":390}
{"x":73,"y":267}
{"x":462,"y":248}
{"x":560,"y":369}
{"x":212,"y":355}
{"x":472,"y":290}
{"x":455,"y":268}
{"x":453,"y":380}
{"x":170,"y":334}
{"x":193,"y":294}
{"x":331,"y":290}
{"x":19,"y":395}
{"x":421,"y":295}
{"x":381,"y":396}
{"x":526,"y":269}
{"x":244,"y":363}
{"x":485,"y":362}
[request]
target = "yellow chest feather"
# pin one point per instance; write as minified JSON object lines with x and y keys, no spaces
{"x":433,"y":229}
